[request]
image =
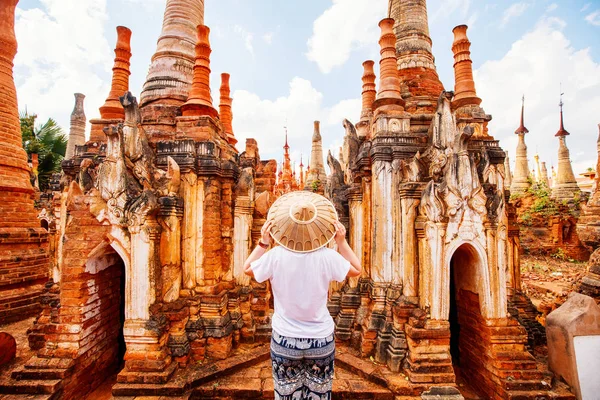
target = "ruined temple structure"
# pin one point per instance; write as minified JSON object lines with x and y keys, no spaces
{"x":564,"y":187}
{"x":588,"y":225}
{"x":157,"y":214}
{"x":440,"y":294}
{"x":24,"y":255}
{"x":159,"y":210}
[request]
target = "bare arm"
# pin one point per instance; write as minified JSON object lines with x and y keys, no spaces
{"x":258,"y":251}
{"x":346,"y":252}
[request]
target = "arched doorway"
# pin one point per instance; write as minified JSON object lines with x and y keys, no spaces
{"x":466,"y":284}
{"x":105,"y":272}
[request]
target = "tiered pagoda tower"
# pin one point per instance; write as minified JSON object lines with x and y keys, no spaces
{"x":521,"y":180}
{"x":565,"y":185}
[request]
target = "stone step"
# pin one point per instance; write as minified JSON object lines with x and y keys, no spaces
{"x":29,"y":397}
{"x":537,"y":395}
{"x":40,"y":374}
{"x":430,"y":367}
{"x":180,"y":383}
{"x":514,"y":364}
{"x":36,"y":362}
{"x":30,"y":386}
{"x":23,"y":293}
{"x":416,"y":377}
{"x":524,"y":385}
{"x":527,"y":374}
{"x":135,"y":377}
{"x":9,"y":315}
{"x":513,"y":355}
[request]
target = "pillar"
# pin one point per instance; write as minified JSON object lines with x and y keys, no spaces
{"x":189,"y":188}
{"x":170,"y":214}
{"x":410,"y":200}
{"x":242,"y":241}
{"x":507,"y":173}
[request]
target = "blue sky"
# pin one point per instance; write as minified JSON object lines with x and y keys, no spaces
{"x":292,"y":62}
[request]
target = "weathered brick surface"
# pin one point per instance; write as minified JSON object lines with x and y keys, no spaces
{"x":23,"y":243}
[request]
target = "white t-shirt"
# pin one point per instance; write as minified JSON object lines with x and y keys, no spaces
{"x":300,"y":283}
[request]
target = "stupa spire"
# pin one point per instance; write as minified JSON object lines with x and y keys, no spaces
{"x":464,"y":85}
{"x":521,"y":128}
{"x":199,"y":101}
{"x":415,"y":60}
{"x":112,"y":111}
{"x":225,"y":112}
{"x":368,"y":90}
{"x":316,"y":172}
{"x":112,"y":108}
{"x":170,"y":74}
{"x":520,"y":179}
{"x":561,"y":130}
{"x":77,"y":131}
{"x":389,"y":80}
{"x":565,"y":184}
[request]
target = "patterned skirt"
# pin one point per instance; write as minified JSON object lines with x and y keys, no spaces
{"x":302,"y":368}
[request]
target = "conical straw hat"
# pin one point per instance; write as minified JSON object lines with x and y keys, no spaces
{"x":302,"y":221}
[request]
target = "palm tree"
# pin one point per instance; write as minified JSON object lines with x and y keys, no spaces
{"x":47,"y":141}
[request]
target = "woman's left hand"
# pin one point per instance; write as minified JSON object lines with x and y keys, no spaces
{"x":265,"y":237}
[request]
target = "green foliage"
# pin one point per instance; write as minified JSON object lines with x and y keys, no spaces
{"x":516,"y":196}
{"x":47,"y":141}
{"x":526,"y":218}
{"x":543,"y":204}
{"x":315,"y":185}
{"x":559,"y":254}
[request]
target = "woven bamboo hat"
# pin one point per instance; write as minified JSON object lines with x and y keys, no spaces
{"x":302,"y":221}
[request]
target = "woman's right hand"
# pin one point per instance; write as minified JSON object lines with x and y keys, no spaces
{"x":340,"y":232}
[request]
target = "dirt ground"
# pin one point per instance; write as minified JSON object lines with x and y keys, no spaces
{"x":19,"y":331}
{"x":549,"y":280}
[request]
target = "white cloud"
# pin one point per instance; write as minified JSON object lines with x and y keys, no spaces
{"x":551,"y":7}
{"x":346,"y":26}
{"x":514,"y":11}
{"x":535,"y":66}
{"x":264,"y":120}
{"x":150,"y":5}
{"x":593,"y":18}
{"x":62,"y":50}
{"x":268,"y":37}
{"x":585,"y":7}
{"x":472,"y":19}
{"x":248,"y":37}
{"x":450,"y":6}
